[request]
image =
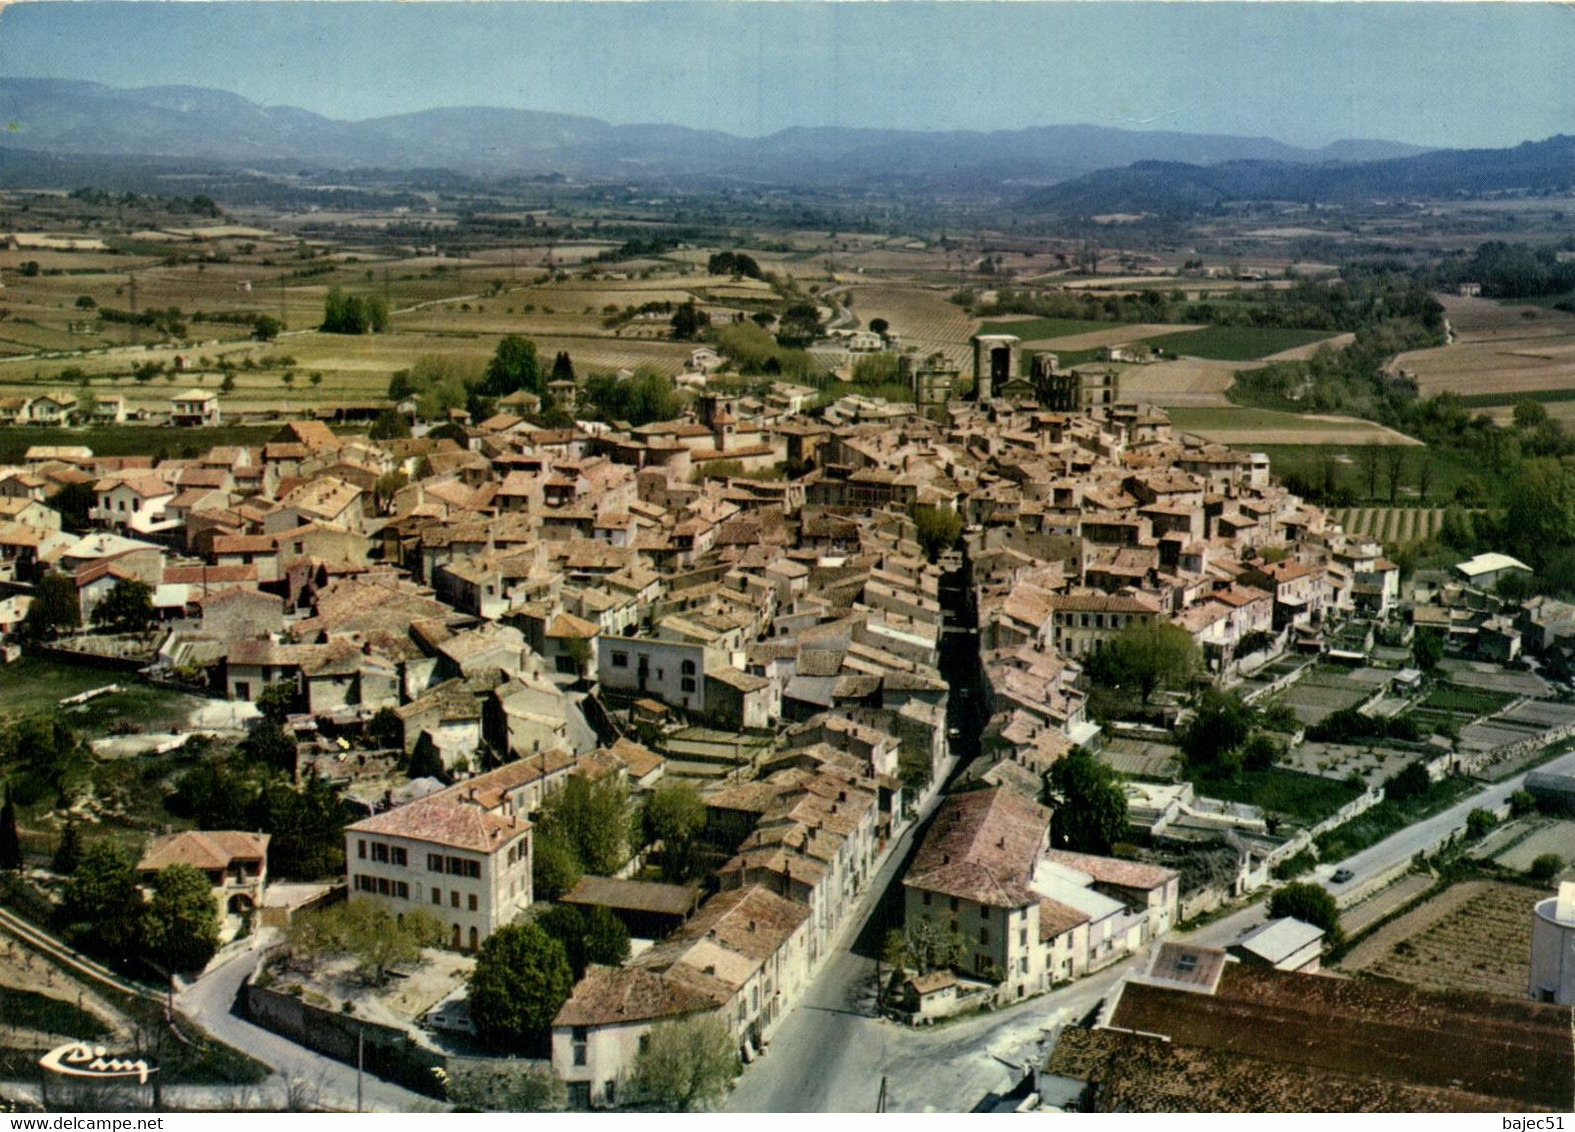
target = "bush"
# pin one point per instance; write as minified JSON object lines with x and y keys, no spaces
{"x":1478,"y":822}
{"x":1546,"y":867}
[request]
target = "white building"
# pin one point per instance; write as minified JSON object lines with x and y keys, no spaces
{"x":1553,"y":948}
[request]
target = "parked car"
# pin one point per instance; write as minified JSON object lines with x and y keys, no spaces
{"x":1341,"y":876}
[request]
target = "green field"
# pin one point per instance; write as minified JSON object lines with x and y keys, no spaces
{"x":1470,"y":701}
{"x":1301,"y":797}
{"x":1236,"y":343}
{"x":129,"y":440}
{"x":26,"y":1010}
{"x":1450,"y":468}
{"x":35,"y":685}
{"x":1034,"y":329}
{"x":1195,"y":418}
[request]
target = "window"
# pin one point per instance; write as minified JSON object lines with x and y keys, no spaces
{"x":645,"y":1042}
{"x":687,"y":684}
{"x":360,"y":848}
{"x":437,"y":896}
{"x":687,"y":668}
{"x":380,"y":852}
{"x":402,"y":890}
{"x":398,"y":856}
{"x":620,"y":660}
{"x":1186,"y":963}
{"x":453,"y":898}
{"x":434,"y":862}
{"x":383,"y":887}
{"x":581,"y":1038}
{"x":984,"y":936}
{"x":472,"y":902}
{"x":954,"y":904}
{"x":926,"y":899}
{"x":1022,"y":938}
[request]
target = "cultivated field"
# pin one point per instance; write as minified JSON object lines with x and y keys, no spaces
{"x":921,"y":318}
{"x":1391,"y":526}
{"x":1498,"y":350}
{"x":1107,"y":334}
{"x":1548,"y":836}
{"x":1474,"y":936}
{"x":1242,"y":427}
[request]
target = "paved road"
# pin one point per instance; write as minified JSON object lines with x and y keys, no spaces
{"x":831,"y":1054}
{"x":314,"y":1080}
{"x":1425,"y":836}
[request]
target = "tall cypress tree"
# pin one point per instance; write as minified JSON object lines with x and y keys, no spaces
{"x":10,"y":842}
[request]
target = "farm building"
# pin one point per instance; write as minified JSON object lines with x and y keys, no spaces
{"x":1285,"y":944}
{"x":1553,"y":789}
{"x":1487,"y":570}
{"x":1553,"y":948}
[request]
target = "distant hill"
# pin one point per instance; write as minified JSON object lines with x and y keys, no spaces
{"x":66,"y":118}
{"x":1175,"y":188}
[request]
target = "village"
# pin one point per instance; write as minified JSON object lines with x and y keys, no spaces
{"x":1002,"y":686}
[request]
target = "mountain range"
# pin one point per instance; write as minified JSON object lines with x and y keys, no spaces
{"x":1174,"y":188}
{"x":68,"y":117}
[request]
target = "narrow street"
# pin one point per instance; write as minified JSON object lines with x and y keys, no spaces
{"x":831,"y":1054}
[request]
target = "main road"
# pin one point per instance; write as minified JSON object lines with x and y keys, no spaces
{"x":832,"y":1053}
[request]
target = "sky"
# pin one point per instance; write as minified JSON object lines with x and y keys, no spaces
{"x":1436,"y":74}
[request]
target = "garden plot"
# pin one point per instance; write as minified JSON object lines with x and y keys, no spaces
{"x":1489,"y":734}
{"x":1341,"y":760}
{"x":1550,"y":836}
{"x":1138,"y":758}
{"x":1322,"y":693}
{"x":1478,"y":674}
{"x":1473,"y":937}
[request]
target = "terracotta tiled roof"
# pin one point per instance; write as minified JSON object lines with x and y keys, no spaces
{"x":441,"y":820}
{"x":204,"y":850}
{"x":982,"y":847}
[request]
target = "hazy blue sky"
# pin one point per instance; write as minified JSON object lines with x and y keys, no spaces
{"x":1438,"y":74}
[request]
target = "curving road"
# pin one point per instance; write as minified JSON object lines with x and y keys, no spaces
{"x":311,"y":1079}
{"x":831,"y":1053}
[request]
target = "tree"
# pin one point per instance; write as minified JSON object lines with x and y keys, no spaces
{"x":426,"y":761}
{"x":1090,"y":808}
{"x":389,"y":425}
{"x":55,"y":608}
{"x":1218,"y":728}
{"x":1412,"y":782}
{"x":307,"y":823}
{"x":265,"y":328}
{"x":1394,"y":467}
{"x":10,"y":840}
{"x":386,"y":729}
{"x":1370,"y":463}
{"x":1545,"y":867}
{"x":606,"y":938}
{"x":505,"y":1087}
{"x":937,"y":529}
{"x":521,"y":979}
{"x":365,"y":929}
{"x":689,"y":322}
{"x":554,"y":867}
{"x":514,"y":366}
{"x":277,"y":700}
{"x":1479,"y":821}
{"x":1521,"y":803}
{"x":68,"y":854}
{"x":1428,"y":649}
{"x":388,"y":485}
{"x":879,"y":326}
{"x":1539,"y":509}
{"x":86,"y":302}
{"x":1309,"y":903}
{"x":100,"y":906}
{"x":1150,"y":655}
{"x":562,"y":367}
{"x":593,"y":820}
{"x":74,"y":502}
{"x":686,"y":1064}
{"x":181,"y":923}
{"x":799,"y":325}
{"x":1424,"y":479}
{"x":674,"y":816}
{"x":127,"y":608}
{"x":228,"y":384}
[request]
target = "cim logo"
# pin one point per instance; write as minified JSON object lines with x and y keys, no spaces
{"x":78,"y":1059}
